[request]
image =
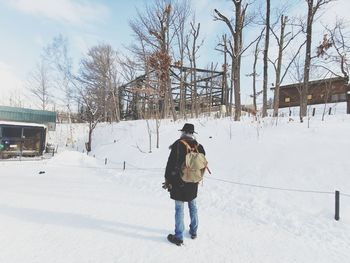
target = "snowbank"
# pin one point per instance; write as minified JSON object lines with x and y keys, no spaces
{"x":270,"y":197}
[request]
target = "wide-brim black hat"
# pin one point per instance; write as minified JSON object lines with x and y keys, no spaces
{"x":188,"y":127}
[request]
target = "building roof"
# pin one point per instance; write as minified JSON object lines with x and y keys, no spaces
{"x":315,"y":82}
{"x":27,"y":124}
{"x":27,"y":115}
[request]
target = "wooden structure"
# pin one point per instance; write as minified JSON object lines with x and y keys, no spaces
{"x":143,"y":95}
{"x":21,"y":139}
{"x":23,"y":131}
{"x":320,"y":91}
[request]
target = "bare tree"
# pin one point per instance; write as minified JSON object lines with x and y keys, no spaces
{"x":296,"y":73}
{"x":56,"y":54}
{"x":98,"y":74}
{"x":192,"y":50}
{"x":153,"y":32}
{"x":328,"y":91}
{"x":284,"y":40}
{"x":237,"y":49}
{"x":254,"y":74}
{"x":333,"y":49}
{"x":97,"y":88}
{"x":91,"y":113}
{"x":222,"y":47}
{"x":39,"y":83}
{"x":313,"y":7}
{"x":266,"y":56}
{"x":183,"y":13}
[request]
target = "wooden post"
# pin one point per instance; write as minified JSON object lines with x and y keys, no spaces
{"x":337,"y":202}
{"x":313,"y":111}
{"x":105,"y":161}
{"x":124,"y":166}
{"x":330,"y":111}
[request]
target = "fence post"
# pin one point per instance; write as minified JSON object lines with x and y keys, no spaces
{"x":313,"y":111}
{"x":105,"y":161}
{"x":337,"y":202}
{"x":330,"y":111}
{"x":124,"y":165}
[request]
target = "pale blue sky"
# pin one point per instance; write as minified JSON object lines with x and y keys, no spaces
{"x":26,"y":30}
{"x":26,"y":26}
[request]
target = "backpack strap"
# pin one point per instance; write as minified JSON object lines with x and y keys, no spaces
{"x":189,"y":148}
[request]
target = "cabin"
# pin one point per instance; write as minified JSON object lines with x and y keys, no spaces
{"x":329,"y":90}
{"x":21,"y":139}
{"x":23,"y":131}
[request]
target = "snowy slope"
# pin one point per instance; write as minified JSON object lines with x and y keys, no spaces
{"x":81,"y":210}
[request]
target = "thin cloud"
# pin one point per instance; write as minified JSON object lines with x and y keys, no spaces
{"x":67,"y":11}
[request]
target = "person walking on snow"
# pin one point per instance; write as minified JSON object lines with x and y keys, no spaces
{"x":181,"y":191}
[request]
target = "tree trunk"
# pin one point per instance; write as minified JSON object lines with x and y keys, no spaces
{"x":211,"y":88}
{"x":182,"y":92}
{"x":276,"y":100}
{"x":88,"y":144}
{"x":254,"y":81}
{"x":224,"y":94}
{"x":305,"y":90}
{"x":232,"y":88}
{"x":256,"y":55}
{"x":266,"y":49}
{"x":237,"y":58}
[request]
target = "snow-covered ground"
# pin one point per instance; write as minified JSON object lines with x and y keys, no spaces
{"x":270,"y":197}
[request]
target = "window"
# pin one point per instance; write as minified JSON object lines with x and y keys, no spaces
{"x":12,"y":132}
{"x":31,"y":133}
{"x":334,"y":97}
{"x":342,"y":97}
{"x":338,"y":97}
{"x":287,"y":100}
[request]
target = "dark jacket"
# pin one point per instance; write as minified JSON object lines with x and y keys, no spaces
{"x":180,"y":190}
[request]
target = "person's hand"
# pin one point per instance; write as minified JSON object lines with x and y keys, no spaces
{"x":166,"y":185}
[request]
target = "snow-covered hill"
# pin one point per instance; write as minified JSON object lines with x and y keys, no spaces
{"x":270,"y":197}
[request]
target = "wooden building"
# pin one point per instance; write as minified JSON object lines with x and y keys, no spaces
{"x":320,"y":91}
{"x":23,"y":131}
{"x":21,"y":139}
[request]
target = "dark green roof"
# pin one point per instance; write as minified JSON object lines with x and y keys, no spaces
{"x":27,"y":115}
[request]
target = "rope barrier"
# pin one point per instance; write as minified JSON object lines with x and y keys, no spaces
{"x":138,"y":168}
{"x":111,"y":162}
{"x":103,"y":159}
{"x":347,"y":195}
{"x":87,"y":167}
{"x":105,"y":167}
{"x":134,"y":167}
{"x":270,"y":187}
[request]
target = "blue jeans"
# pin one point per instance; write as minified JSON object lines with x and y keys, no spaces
{"x":179,"y":218}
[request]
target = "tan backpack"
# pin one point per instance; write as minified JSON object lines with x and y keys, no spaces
{"x":193,"y":168}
